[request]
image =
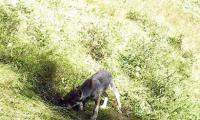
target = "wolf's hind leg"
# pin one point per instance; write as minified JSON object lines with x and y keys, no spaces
{"x":117,"y":95}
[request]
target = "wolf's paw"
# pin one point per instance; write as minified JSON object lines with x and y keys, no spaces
{"x":103,"y":107}
{"x":93,"y":118}
{"x":119,"y":110}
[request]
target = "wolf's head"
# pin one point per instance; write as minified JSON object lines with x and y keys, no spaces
{"x":73,"y":100}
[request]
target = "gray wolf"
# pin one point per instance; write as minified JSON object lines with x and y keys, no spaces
{"x":92,"y":89}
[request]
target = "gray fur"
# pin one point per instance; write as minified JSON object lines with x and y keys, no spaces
{"x":93,"y":88}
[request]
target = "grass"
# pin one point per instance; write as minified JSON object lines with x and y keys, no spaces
{"x":20,"y":102}
{"x":150,"y":47}
{"x":16,"y":105}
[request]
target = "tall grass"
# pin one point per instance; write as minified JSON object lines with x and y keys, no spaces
{"x":56,"y":45}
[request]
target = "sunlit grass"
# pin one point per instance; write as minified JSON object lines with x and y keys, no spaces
{"x":51,"y":45}
{"x":14,"y":104}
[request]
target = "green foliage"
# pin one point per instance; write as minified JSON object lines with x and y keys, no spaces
{"x":48,"y":47}
{"x":137,"y":16}
{"x":9,"y":21}
{"x":160,"y":69}
{"x":176,"y":41}
{"x":95,"y":40}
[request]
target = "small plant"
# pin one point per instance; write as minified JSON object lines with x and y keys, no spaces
{"x":176,"y":41}
{"x":95,"y":40}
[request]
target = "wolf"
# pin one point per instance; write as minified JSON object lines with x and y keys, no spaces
{"x":92,"y":89}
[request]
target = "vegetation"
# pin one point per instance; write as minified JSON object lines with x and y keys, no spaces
{"x":151,"y":47}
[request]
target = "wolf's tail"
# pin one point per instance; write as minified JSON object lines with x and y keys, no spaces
{"x":117,"y":95}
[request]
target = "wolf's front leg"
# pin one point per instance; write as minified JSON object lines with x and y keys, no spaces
{"x":81,"y":106}
{"x":96,"y":109}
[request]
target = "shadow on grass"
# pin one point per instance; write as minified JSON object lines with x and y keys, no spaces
{"x":44,"y":87}
{"x":42,"y":83}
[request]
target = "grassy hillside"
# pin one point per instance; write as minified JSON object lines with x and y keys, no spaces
{"x":152,"y":48}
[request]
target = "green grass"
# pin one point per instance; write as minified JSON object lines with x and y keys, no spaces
{"x":17,"y":105}
{"x":150,"y":47}
{"x":19,"y":101}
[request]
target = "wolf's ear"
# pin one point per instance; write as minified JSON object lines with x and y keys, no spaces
{"x":80,"y":93}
